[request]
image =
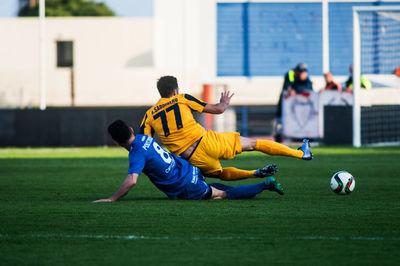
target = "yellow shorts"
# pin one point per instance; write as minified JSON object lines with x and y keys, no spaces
{"x":215,"y":146}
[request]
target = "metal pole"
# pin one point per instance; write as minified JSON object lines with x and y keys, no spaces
{"x":356,"y":81}
{"x":42,"y":45}
{"x":185,"y":82}
{"x":325,"y":36}
{"x":72,"y":87}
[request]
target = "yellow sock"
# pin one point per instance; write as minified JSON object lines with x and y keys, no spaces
{"x":231,"y":173}
{"x":275,"y":148}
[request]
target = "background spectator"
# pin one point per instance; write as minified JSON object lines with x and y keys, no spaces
{"x":365,"y":83}
{"x":330,"y":84}
{"x":397,"y":71}
{"x":301,"y":82}
{"x":295,"y":81}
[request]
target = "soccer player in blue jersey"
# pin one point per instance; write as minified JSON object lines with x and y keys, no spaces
{"x":174,"y":176}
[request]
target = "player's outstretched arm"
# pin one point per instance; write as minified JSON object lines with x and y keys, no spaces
{"x":220,"y":107}
{"x":126,"y":186}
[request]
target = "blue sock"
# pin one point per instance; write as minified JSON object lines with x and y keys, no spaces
{"x":246,"y":192}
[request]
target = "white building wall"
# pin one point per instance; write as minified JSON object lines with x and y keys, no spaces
{"x":18,"y":63}
{"x":113,"y":61}
{"x":178,"y":41}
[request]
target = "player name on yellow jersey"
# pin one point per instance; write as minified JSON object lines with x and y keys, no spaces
{"x":161,"y":106}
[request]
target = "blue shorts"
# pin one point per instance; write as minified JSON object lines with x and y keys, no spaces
{"x":196,"y":188}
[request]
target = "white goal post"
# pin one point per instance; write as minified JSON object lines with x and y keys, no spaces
{"x":392,"y":12}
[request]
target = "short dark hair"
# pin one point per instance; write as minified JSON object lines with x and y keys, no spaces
{"x":166,"y":86}
{"x":119,"y":131}
{"x":301,"y":67}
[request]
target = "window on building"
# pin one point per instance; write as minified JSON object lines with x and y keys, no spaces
{"x":65,"y":53}
{"x":268,"y":39}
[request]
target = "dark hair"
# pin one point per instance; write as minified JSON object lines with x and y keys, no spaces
{"x":119,"y":131}
{"x":166,"y":86}
{"x":301,"y":67}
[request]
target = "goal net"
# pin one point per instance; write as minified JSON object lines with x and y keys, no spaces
{"x":376,"y":112}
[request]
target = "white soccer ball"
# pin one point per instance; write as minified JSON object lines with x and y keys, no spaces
{"x":342,"y":183}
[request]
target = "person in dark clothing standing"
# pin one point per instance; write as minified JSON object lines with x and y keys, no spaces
{"x":364,"y":82}
{"x":302,"y":83}
{"x":295,"y":81}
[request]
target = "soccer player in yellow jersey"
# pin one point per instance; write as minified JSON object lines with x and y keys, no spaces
{"x":171,"y":118}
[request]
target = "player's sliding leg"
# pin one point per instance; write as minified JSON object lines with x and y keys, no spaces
{"x":231,"y":173}
{"x":244,"y":192}
{"x":275,"y":148}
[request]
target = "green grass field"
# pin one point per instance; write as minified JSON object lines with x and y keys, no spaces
{"x":47,"y":217}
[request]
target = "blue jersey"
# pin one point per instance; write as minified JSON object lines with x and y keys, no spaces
{"x":168,"y":172}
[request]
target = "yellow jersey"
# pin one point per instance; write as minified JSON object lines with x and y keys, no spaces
{"x":172,"y":120}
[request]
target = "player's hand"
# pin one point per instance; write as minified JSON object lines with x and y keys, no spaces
{"x":226,"y":97}
{"x":103,"y":200}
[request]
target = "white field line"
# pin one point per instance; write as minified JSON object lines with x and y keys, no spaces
{"x":138,"y":237}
